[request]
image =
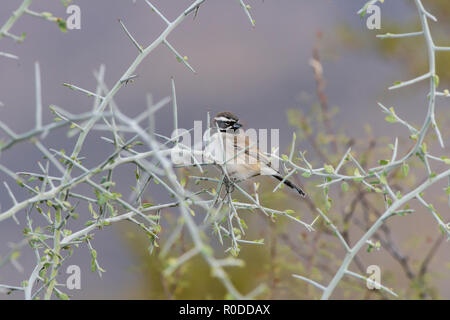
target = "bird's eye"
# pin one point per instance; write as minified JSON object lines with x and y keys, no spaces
{"x":225,"y":123}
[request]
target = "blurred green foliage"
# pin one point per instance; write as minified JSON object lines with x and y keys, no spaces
{"x":410,"y":52}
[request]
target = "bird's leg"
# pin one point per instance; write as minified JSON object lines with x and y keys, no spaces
{"x":229,"y":186}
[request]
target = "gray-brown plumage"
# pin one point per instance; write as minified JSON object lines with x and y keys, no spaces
{"x":242,"y":156}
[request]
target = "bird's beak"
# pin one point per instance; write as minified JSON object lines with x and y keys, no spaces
{"x":236,"y":125}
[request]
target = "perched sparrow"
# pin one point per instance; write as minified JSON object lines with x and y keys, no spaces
{"x":242,"y":158}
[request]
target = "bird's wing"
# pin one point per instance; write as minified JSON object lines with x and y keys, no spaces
{"x":251,"y":149}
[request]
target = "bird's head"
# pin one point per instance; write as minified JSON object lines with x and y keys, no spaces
{"x":227,"y":121}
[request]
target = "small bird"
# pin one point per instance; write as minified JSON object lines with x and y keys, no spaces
{"x":243,"y":160}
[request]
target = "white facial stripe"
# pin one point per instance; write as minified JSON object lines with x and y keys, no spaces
{"x":224,"y":119}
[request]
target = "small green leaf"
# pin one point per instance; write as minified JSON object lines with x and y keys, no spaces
{"x":357,"y":175}
{"x":306,"y":174}
{"x":92,"y":211}
{"x":61,"y":295}
{"x":431,"y":207}
{"x":383,"y":179}
{"x":328,"y":204}
{"x":436,"y":80}
{"x":446,"y":160}
{"x":390,"y":119}
{"x":424,"y":148}
{"x":344,"y":186}
{"x":15,"y":255}
{"x":67,"y":204}
{"x":75,"y":216}
{"x":102,"y":199}
{"x":66,"y":2}
{"x":62,"y":24}
{"x":405,"y":169}
{"x":328,"y":169}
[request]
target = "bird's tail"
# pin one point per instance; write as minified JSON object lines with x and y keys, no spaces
{"x":291,"y":185}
